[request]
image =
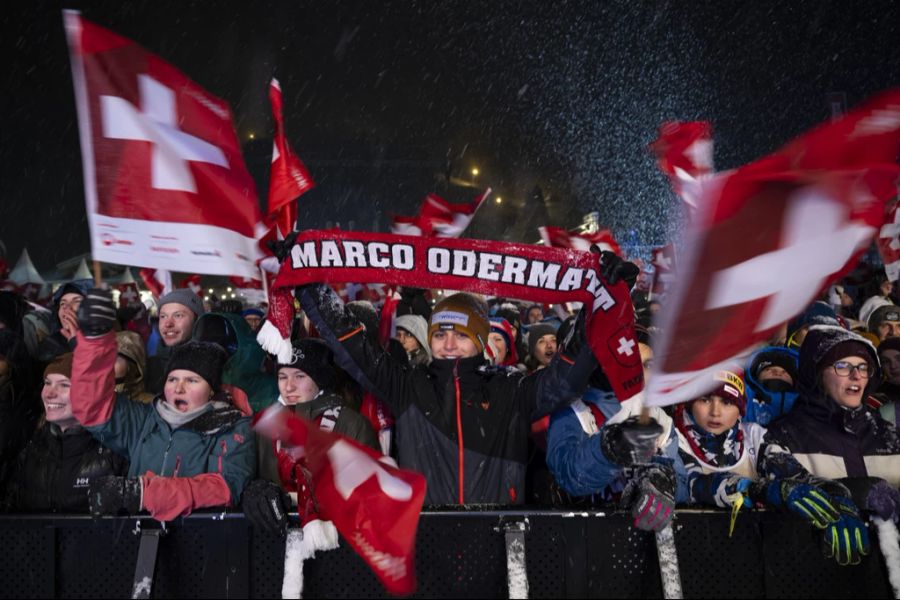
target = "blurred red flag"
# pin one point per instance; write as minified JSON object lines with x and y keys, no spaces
{"x":557,"y":237}
{"x":684,"y":152}
{"x":889,"y":242}
{"x":768,"y":238}
{"x":373,"y":505}
{"x":439,"y":218}
{"x":289,"y":177}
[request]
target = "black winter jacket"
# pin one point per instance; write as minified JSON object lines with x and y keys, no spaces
{"x":54,"y":471}
{"x":461,"y":423}
{"x":349,"y":423}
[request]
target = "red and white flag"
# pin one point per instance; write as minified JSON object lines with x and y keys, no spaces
{"x":128,"y":294}
{"x":158,"y":281}
{"x":663,"y":268}
{"x":684,"y":152}
{"x":373,"y":505}
{"x":889,"y":241}
{"x":439,"y":218}
{"x":289,"y":177}
{"x":768,"y":238}
{"x":557,"y":237}
{"x":192,"y":282}
{"x":164,"y":179}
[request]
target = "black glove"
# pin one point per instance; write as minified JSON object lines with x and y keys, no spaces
{"x":266,"y":505}
{"x":629,"y":443}
{"x":321,"y":303}
{"x":650,"y":496}
{"x":576,"y":337}
{"x":97,"y":314}
{"x":614,"y":268}
{"x":282,"y":248}
{"x":112,"y":495}
{"x":884,"y":500}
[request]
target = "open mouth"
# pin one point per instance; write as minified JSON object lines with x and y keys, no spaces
{"x":54,"y":406}
{"x":180,"y":404}
{"x":853,"y":389}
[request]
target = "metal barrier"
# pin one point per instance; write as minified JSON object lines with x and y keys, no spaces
{"x":458,"y":554}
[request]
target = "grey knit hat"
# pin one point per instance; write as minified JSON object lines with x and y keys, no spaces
{"x":186,"y":297}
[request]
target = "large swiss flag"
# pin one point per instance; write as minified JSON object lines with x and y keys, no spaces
{"x":165,"y":183}
{"x":769,"y":237}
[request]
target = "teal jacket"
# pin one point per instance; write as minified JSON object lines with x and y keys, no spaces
{"x":243,"y":369}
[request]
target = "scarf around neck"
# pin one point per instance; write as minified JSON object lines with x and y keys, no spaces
{"x":720,"y":450}
{"x":175,"y":418}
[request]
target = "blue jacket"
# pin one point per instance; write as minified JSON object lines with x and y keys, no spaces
{"x":579,"y":465}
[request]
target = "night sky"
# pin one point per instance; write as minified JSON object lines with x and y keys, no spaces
{"x":554,"y":102}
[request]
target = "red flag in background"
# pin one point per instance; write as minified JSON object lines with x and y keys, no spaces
{"x":158,"y":281}
{"x":165,"y":182}
{"x":768,"y":238}
{"x":243,"y":283}
{"x":373,"y":505}
{"x":684,"y":152}
{"x":192,"y":282}
{"x":289,"y":177}
{"x":439,"y":218}
{"x":663,"y":268}
{"x":889,"y":241}
{"x":557,"y":237}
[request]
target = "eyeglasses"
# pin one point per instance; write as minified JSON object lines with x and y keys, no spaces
{"x":843,"y":369}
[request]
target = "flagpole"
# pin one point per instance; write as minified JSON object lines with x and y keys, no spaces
{"x":98,"y":277}
{"x":265,"y":282}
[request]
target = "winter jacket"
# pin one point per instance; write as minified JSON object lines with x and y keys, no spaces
{"x":243,"y":369}
{"x":573,"y":447}
{"x":461,"y":423}
{"x":826,"y":439}
{"x":132,"y":348}
{"x":54,"y":471}
{"x":707,"y":483}
{"x":204,"y":463}
{"x":348,"y":423}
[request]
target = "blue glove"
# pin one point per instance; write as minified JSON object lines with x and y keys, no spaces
{"x":734,"y":486}
{"x":803,"y":499}
{"x":847,"y":540}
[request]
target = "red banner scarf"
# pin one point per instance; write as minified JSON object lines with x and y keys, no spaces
{"x":533,"y":273}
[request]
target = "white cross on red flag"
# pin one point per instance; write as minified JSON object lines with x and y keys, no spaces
{"x":289,"y":177}
{"x":439,"y":218}
{"x":663,"y":268}
{"x":684,"y":152}
{"x":889,"y":241}
{"x":373,"y":505}
{"x":557,"y":237}
{"x":768,"y":238}
{"x":165,"y":183}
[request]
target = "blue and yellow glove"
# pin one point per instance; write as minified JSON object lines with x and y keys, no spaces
{"x":804,"y":500}
{"x":847,"y":540}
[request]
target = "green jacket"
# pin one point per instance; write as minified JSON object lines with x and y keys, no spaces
{"x":244,"y":367}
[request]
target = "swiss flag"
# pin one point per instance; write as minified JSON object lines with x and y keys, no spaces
{"x":128,"y":294}
{"x":663,"y":268}
{"x":889,"y":241}
{"x":165,"y":182}
{"x":684,"y":152}
{"x":439,"y":218}
{"x":557,"y":237}
{"x":289,"y":177}
{"x":373,"y":505}
{"x":769,"y":237}
{"x":192,"y":282}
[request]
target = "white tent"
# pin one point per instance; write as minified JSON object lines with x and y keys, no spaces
{"x":82,"y":272}
{"x":24,"y":271}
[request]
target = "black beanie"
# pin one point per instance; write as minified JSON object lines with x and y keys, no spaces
{"x":843,"y":349}
{"x":206,"y":359}
{"x":536,"y":332}
{"x":313,"y":357}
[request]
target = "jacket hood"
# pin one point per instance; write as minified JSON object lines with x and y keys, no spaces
{"x":819,"y":342}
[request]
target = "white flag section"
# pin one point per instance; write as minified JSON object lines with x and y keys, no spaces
{"x":165,"y":183}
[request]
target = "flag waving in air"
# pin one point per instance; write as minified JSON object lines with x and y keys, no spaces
{"x":165,"y":183}
{"x":684,"y":152}
{"x":288,"y":177}
{"x":557,"y":237}
{"x":439,"y":218}
{"x":768,"y":237}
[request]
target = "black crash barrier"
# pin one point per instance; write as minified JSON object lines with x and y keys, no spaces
{"x":458,"y":554}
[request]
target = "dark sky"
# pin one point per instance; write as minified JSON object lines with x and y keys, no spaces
{"x":384,"y":99}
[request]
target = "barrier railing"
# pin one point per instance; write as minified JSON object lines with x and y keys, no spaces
{"x":458,"y":554}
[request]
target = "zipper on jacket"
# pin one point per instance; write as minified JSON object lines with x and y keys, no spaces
{"x":162,"y":471}
{"x":459,"y":434}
